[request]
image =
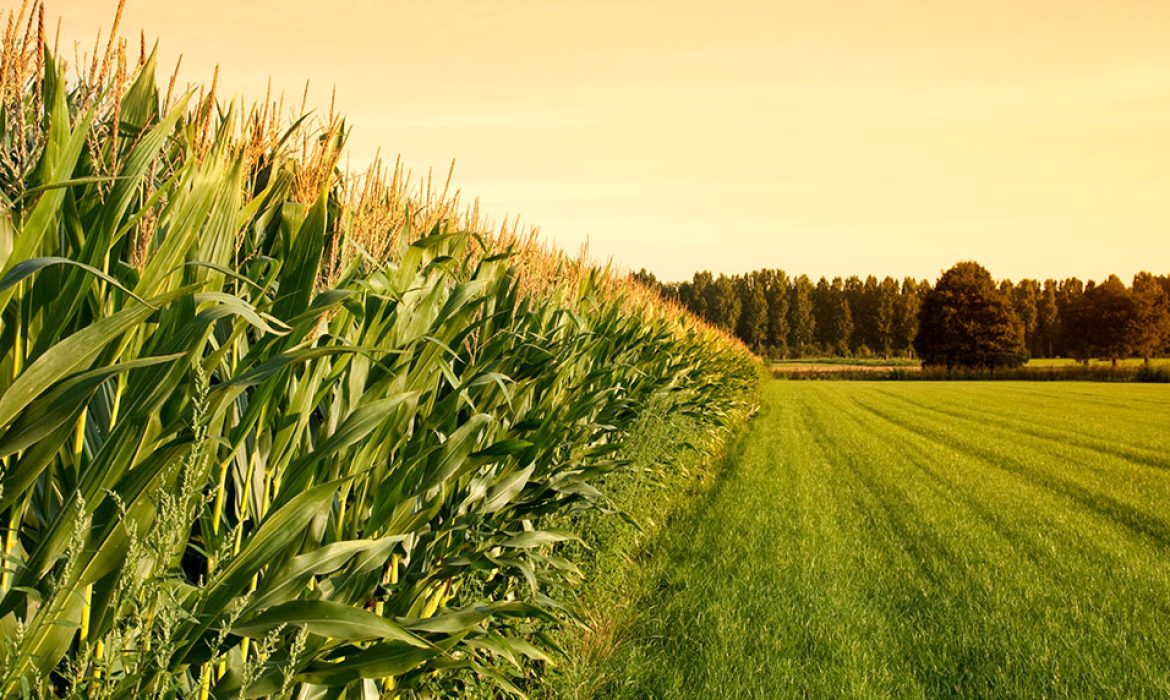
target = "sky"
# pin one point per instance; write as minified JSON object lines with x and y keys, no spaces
{"x":824,"y":138}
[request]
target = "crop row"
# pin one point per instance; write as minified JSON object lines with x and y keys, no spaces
{"x":269,"y":428}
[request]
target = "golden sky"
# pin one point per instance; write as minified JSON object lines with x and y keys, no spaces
{"x":828,"y":138}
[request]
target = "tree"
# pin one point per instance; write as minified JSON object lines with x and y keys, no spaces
{"x":1024,"y":296}
{"x":965,"y":321}
{"x":884,"y":312}
{"x":801,"y":325}
{"x":694,"y":295}
{"x":840,"y":318}
{"x":1151,"y":323}
{"x":822,"y":297}
{"x":1068,"y":292}
{"x":752,"y":327}
{"x":647,"y":279}
{"x":1047,"y":321}
{"x":723,"y":306}
{"x":776,"y":294}
{"x":854,"y":290}
{"x":906,"y":317}
{"x":1100,"y":322}
{"x":865,"y":305}
{"x":833,"y":321}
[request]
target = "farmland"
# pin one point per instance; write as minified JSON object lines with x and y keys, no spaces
{"x":917,"y":539}
{"x":271,"y":428}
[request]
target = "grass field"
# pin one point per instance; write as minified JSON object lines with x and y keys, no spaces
{"x":919,"y":540}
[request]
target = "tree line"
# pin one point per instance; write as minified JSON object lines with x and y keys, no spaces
{"x":784,"y":316}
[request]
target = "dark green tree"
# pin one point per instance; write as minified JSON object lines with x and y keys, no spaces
{"x":840,"y":319}
{"x":865,"y":305}
{"x":776,"y":293}
{"x":752,"y":326}
{"x":1151,"y":323}
{"x":1047,"y":321}
{"x":723,"y":305}
{"x":966,"y":321}
{"x":1025,"y":295}
{"x":647,"y":279}
{"x":822,"y":306}
{"x":854,"y":290}
{"x":801,"y":325}
{"x":694,"y":294}
{"x":1099,"y":323}
{"x":885,"y":304}
{"x":906,"y":317}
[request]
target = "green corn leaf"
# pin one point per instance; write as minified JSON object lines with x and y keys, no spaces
{"x":506,"y":489}
{"x":277,"y":533}
{"x":26,"y":268}
{"x":73,"y":353}
{"x":451,"y":622}
{"x":298,"y":276}
{"x":328,"y":619}
{"x":63,"y":403}
{"x":380,"y":661}
{"x":453,"y":457}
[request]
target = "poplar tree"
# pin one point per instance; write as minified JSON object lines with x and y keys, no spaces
{"x":906,"y":317}
{"x":1047,"y":321}
{"x":840,"y":318}
{"x":801,"y":325}
{"x":1024,"y":296}
{"x":752,"y":326}
{"x":723,"y":306}
{"x":884,"y":310}
{"x":854,"y":290}
{"x":776,"y":294}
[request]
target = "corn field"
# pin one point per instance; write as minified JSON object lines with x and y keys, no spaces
{"x":270,"y":428}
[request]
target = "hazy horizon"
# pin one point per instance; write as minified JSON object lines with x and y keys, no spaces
{"x":826,"y":140}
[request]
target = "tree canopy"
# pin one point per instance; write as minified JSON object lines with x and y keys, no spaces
{"x":781,"y":315}
{"x":967,"y":321}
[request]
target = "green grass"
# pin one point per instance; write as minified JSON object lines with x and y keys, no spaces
{"x":675,"y":459}
{"x":919,"y":540}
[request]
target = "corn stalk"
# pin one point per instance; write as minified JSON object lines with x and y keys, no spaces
{"x":243,"y":455}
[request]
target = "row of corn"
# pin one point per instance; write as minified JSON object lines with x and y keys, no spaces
{"x":270,"y":429}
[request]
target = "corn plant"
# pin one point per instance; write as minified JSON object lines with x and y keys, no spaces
{"x":272,"y":429}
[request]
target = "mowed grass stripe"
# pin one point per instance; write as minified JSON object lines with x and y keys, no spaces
{"x":1107,"y":532}
{"x":1025,"y":509}
{"x":948,"y":472}
{"x":1107,"y":484}
{"x":1101,"y":537}
{"x":1137,"y":435}
{"x":937,"y":543}
{"x":845,"y":554}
